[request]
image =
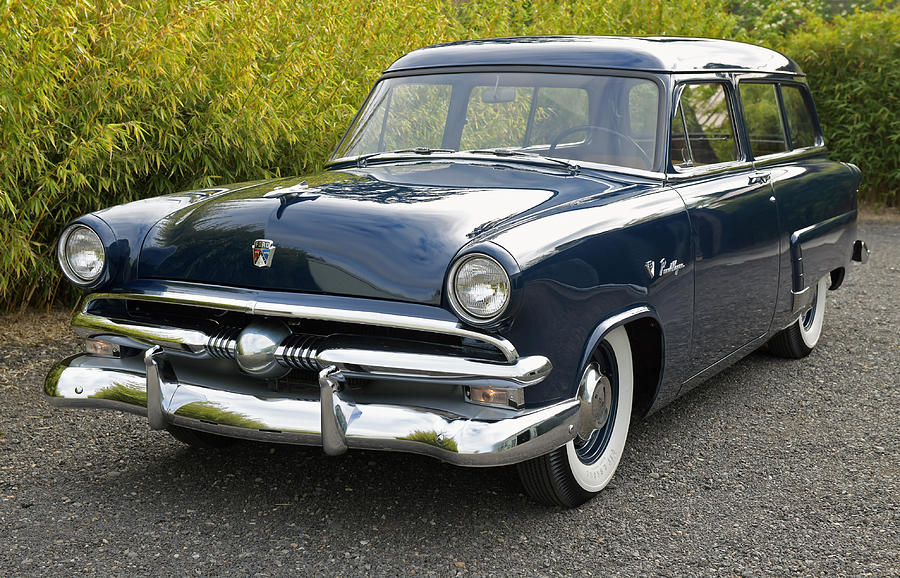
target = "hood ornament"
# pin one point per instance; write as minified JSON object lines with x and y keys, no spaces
{"x":650,"y":266}
{"x":263,"y":251}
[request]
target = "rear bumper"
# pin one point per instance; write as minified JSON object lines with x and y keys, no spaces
{"x":333,"y":419}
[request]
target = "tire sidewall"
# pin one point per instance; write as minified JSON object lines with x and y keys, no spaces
{"x":810,"y":336}
{"x":594,"y":477}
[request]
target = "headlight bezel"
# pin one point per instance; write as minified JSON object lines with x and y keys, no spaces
{"x":62,"y":255}
{"x":453,"y":299}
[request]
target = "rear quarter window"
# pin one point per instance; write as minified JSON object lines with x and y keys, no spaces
{"x":762,"y":115}
{"x":799,"y":116}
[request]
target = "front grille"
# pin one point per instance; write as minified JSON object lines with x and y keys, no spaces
{"x":223,"y":342}
{"x":300,"y":351}
{"x":309,"y":336}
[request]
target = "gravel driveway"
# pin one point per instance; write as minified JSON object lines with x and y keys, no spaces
{"x":773,"y":466}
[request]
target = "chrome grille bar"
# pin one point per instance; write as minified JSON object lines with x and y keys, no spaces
{"x":300,"y":352}
{"x":245,"y":301}
{"x":222,"y":344}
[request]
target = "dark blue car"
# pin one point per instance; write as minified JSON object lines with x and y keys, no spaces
{"x":519,"y":246}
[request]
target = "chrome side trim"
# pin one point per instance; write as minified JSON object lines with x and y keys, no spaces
{"x":611,"y":323}
{"x":249,"y":304}
{"x":801,"y":300}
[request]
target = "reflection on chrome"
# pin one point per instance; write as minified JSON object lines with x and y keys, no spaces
{"x":245,"y":301}
{"x":333,"y":421}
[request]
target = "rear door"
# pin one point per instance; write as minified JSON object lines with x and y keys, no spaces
{"x":734,"y":223}
{"x":815,"y":196}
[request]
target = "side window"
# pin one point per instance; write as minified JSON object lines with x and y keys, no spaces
{"x":800,"y":120}
{"x":702,"y":130}
{"x":763,"y":117}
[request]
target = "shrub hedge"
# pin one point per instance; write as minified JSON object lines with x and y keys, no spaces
{"x":106,"y":101}
{"x":853,"y":68}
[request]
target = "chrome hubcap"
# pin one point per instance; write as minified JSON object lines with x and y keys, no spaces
{"x":595,"y":394}
{"x":811,"y":312}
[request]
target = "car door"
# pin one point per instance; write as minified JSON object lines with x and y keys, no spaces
{"x":734,"y":224}
{"x":816,"y":213}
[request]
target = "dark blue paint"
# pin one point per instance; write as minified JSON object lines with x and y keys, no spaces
{"x":583,"y":264}
{"x":659,"y":54}
{"x":361,"y":237}
{"x":735,"y":228}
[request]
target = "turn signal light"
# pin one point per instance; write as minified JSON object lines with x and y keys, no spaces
{"x":514,"y":398}
{"x":100,"y":348}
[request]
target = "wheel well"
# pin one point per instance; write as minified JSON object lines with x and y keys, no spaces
{"x":837,"y":278}
{"x":646,"y":340}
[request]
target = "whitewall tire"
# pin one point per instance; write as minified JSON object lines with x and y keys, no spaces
{"x":572,"y":474}
{"x":800,"y":337}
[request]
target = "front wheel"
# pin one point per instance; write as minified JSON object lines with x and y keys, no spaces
{"x":574,"y":473}
{"x":799,"y":338}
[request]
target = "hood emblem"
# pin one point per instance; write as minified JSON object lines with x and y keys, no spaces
{"x":650,"y":266}
{"x":263,"y":251}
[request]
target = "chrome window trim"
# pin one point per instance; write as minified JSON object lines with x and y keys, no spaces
{"x":710,"y":170}
{"x":742,"y":160}
{"x":488,"y":160}
{"x":790,"y":155}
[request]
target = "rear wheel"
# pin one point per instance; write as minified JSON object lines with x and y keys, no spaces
{"x":199,"y":439}
{"x":574,"y":473}
{"x":799,"y":339}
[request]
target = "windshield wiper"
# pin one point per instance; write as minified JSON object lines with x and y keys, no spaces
{"x":362,"y":159}
{"x":505,"y":152}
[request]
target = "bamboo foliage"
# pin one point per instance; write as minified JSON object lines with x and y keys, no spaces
{"x":107,"y":101}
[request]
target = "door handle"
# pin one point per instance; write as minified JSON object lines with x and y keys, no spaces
{"x":760,"y":178}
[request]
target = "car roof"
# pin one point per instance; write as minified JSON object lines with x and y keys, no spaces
{"x":649,"y":54}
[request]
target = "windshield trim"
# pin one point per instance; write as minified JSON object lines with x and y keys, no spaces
{"x":661,"y":80}
{"x":464,"y":157}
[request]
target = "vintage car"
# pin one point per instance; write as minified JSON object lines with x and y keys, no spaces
{"x":519,"y":246}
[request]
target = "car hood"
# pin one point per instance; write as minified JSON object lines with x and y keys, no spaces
{"x":339,"y":234}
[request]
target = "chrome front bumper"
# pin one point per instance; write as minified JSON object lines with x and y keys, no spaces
{"x":413,"y":401}
{"x":334,"y":421}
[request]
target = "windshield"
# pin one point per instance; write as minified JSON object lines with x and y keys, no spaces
{"x":595,"y":118}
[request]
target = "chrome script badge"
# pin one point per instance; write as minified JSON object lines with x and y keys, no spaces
{"x":263,"y":251}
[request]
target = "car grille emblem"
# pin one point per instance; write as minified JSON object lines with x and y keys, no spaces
{"x":263,"y":251}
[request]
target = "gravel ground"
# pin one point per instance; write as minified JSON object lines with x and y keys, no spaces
{"x":773,"y":466}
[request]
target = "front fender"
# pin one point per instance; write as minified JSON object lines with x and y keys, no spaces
{"x":583,"y":267}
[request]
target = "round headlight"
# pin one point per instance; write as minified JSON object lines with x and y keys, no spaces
{"x":81,"y":254}
{"x":479,"y":288}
